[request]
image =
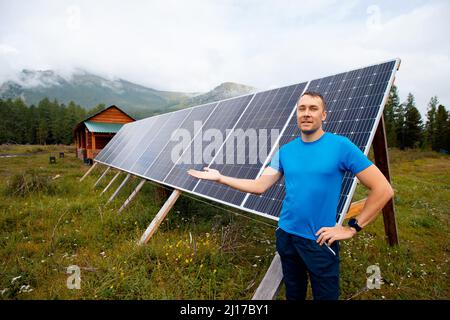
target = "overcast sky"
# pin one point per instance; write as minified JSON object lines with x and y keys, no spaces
{"x":196,"y":45}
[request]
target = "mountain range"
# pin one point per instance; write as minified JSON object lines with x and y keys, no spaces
{"x":89,"y":90}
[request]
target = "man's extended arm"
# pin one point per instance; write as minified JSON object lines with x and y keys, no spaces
{"x":380,"y":193}
{"x":257,"y":186}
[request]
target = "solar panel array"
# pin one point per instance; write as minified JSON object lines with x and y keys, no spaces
{"x":145,"y":148}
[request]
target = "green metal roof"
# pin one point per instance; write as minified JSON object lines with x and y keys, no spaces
{"x":103,"y":127}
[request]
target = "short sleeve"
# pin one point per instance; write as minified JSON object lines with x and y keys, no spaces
{"x":353,"y":159}
{"x":276,"y":162}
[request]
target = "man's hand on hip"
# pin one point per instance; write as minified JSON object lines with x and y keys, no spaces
{"x":331,"y":234}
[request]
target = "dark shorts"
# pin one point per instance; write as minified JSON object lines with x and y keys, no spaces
{"x":301,"y":257}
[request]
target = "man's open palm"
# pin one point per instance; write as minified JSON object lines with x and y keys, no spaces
{"x":207,"y":174}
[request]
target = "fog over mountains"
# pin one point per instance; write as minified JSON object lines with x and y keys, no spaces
{"x":88,"y":90}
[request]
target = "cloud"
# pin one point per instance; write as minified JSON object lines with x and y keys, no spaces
{"x":196,"y":45}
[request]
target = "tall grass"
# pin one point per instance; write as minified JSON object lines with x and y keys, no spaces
{"x":29,"y":182}
{"x":202,"y":250}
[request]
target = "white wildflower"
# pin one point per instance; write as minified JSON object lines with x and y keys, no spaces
{"x":15,"y":278}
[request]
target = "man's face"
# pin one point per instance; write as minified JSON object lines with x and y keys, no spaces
{"x":310,"y":114}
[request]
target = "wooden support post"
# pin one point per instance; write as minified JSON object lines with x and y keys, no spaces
{"x":89,"y":171}
{"x":94,"y":144}
{"x":119,"y":188}
{"x":382,"y":162}
{"x":270,"y":284}
{"x":159,"y":217}
{"x":132,"y":195}
{"x":102,"y":176}
{"x":86,"y":136}
{"x":110,"y":183}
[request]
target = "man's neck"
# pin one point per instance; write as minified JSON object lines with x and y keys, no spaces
{"x":313,"y":136}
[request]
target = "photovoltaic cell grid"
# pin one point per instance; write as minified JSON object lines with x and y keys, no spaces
{"x":354,"y":106}
{"x":222,"y":119}
{"x":123,"y":146}
{"x":171,"y":123}
{"x":268,"y":110}
{"x":101,"y":155}
{"x":355,"y":112}
{"x":132,"y":136}
{"x":148,"y":130}
{"x":174,"y":147}
{"x":106,"y":152}
{"x":355,"y":101}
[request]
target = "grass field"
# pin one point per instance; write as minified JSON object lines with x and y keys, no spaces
{"x":49,"y":221}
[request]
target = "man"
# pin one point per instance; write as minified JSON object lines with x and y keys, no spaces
{"x":313,"y":166}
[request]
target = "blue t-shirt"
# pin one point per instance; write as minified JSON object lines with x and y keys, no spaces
{"x":313,"y":173}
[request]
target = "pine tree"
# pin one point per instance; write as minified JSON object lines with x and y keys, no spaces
{"x":430,"y":125}
{"x":59,"y":130}
{"x":73,"y":115}
{"x":413,"y":124}
{"x":399,"y":124}
{"x":43,"y":131}
{"x":389,"y":116}
{"x":5,"y":112}
{"x":19,"y":117}
{"x":32,"y":124}
{"x":442,"y":129}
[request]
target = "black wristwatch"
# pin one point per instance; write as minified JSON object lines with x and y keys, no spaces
{"x":353,"y":223}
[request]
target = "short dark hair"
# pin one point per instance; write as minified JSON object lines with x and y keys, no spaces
{"x":315,"y":94}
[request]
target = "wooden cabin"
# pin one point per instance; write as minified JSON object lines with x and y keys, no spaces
{"x":93,"y":133}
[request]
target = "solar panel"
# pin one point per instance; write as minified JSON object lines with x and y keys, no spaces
{"x":268,"y":112}
{"x":148,"y":129}
{"x":224,"y":117}
{"x":355,"y":102}
{"x":133,"y":135}
{"x":111,"y":152}
{"x":174,"y":148}
{"x":172,"y":121}
{"x":101,"y":155}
